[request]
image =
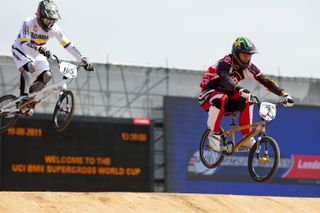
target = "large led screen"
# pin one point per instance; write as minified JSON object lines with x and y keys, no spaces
{"x":295,"y":129}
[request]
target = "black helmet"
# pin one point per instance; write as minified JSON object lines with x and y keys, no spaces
{"x":242,"y":45}
{"x":47,"y":14}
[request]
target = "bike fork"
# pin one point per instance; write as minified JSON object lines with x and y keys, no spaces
{"x":262,"y":134}
{"x":60,"y":97}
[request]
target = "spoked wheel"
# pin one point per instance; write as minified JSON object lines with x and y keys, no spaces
{"x":7,"y":119}
{"x":63,"y":112}
{"x":210,"y":158}
{"x":263,"y":162}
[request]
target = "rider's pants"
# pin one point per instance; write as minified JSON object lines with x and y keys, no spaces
{"x":21,"y":58}
{"x":217,"y":103}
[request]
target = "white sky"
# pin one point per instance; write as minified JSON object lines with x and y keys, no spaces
{"x":188,"y":34}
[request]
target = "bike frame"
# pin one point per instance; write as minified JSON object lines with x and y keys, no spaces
{"x":258,"y":128}
{"x":50,"y":90}
{"x":45,"y":93}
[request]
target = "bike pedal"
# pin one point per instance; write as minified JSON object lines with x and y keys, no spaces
{"x":228,"y":149}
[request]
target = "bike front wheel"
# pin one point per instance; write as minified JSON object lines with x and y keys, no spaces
{"x":63,"y":111}
{"x":263,"y":161}
{"x":7,"y":118}
{"x":211,"y":159}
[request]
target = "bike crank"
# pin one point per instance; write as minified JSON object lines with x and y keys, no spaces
{"x":228,"y":149}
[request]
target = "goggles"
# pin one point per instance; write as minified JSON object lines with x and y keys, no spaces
{"x":48,"y":22}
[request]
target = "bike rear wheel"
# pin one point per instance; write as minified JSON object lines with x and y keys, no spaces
{"x":7,"y":119}
{"x":263,"y":164}
{"x":210,"y":158}
{"x":63,"y":111}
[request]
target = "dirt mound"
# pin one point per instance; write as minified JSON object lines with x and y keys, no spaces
{"x":150,"y":202}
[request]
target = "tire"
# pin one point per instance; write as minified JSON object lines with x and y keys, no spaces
{"x":210,"y":158}
{"x":263,"y":169}
{"x":63,"y":111}
{"x":6,"y":121}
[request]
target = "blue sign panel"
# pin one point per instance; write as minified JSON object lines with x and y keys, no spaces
{"x":295,"y":129}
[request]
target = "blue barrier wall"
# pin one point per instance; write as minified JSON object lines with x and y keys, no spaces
{"x":295,"y":129}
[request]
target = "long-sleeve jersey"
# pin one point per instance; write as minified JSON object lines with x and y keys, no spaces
{"x":223,"y":77}
{"x":32,"y":36}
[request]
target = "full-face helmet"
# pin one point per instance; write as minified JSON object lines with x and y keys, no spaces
{"x":242,"y":45}
{"x":47,"y":14}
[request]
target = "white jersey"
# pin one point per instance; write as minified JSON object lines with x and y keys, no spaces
{"x":32,"y":36}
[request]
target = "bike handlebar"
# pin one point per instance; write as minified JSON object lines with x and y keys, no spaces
{"x":55,"y":58}
{"x":255,"y":100}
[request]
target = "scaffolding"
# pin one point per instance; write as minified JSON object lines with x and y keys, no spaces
{"x":113,"y":90}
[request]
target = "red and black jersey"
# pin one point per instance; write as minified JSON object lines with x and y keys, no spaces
{"x":223,"y":77}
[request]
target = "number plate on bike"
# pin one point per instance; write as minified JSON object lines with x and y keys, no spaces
{"x":268,"y":111}
{"x":68,"y":70}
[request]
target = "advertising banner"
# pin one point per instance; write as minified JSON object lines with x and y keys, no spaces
{"x":295,"y":130}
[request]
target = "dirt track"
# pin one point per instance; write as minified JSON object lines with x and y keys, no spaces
{"x":150,"y":202}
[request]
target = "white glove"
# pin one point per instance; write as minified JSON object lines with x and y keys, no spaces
{"x":288,"y":101}
{"x":87,"y":64}
{"x":244,"y":93}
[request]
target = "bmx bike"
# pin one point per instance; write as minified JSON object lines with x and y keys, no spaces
{"x":264,"y":155}
{"x":11,"y":107}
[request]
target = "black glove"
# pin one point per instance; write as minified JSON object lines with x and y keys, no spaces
{"x":288,"y":101}
{"x":243,"y":92}
{"x":44,"y":51}
{"x":88,"y":66}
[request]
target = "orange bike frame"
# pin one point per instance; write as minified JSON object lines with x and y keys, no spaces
{"x":257,"y":128}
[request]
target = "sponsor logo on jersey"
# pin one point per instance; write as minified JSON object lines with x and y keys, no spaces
{"x":39,"y":36}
